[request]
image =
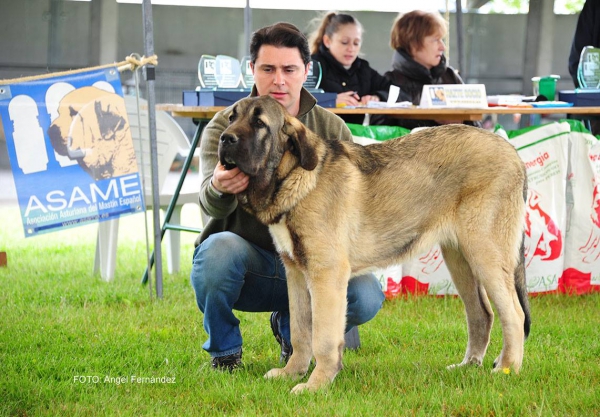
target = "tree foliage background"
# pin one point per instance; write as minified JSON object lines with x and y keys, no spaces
{"x":522,"y":6}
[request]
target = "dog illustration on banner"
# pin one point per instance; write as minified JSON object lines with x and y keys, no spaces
{"x":544,"y":238}
{"x":591,"y":249}
{"x":92,"y":128}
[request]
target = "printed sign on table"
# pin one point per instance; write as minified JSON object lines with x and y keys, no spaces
{"x":71,"y":150}
{"x":453,"y":95}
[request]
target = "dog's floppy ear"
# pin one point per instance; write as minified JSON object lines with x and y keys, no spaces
{"x":109,"y":118}
{"x":302,"y":142}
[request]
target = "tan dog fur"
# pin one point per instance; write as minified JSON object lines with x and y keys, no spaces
{"x":95,"y":123}
{"x":336,"y":209}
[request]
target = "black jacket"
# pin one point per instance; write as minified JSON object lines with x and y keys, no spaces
{"x":587,"y":33}
{"x":411,"y":76}
{"x":360,"y":78}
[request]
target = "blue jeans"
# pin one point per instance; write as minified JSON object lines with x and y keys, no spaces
{"x":229,"y":273}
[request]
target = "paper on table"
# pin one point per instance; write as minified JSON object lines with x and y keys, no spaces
{"x":393,"y":95}
{"x":384,"y":105}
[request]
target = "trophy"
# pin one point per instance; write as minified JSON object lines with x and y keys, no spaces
{"x":247,"y":76}
{"x":206,"y":71}
{"x":314,"y":76}
{"x":227,"y":72}
{"x":588,"y":70}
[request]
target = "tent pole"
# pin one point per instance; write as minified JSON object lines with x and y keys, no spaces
{"x":150,"y":78}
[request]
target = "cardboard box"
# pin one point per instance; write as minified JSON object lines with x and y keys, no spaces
{"x":228,"y":97}
{"x":580,"y":98}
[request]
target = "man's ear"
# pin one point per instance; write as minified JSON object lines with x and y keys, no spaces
{"x":307,"y":70}
{"x":302,"y":143}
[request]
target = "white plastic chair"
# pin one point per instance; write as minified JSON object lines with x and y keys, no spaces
{"x":171,"y":140}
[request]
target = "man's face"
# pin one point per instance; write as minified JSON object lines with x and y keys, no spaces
{"x":280,"y":73}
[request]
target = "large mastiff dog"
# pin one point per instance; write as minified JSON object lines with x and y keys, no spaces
{"x":336,"y":209}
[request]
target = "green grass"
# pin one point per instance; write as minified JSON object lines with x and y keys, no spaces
{"x":58,"y":321}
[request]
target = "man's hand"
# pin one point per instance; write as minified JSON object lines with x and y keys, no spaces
{"x":231,"y":181}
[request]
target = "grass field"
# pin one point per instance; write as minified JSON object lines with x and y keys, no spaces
{"x":72,"y":344}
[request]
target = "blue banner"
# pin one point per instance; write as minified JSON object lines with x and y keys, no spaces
{"x":71,"y":150}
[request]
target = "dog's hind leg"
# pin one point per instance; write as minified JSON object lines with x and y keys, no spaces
{"x":300,"y":325}
{"x":480,"y":315}
{"x":495,"y":270}
{"x":520,"y":302}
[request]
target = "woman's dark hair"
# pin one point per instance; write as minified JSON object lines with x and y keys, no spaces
{"x":280,"y":35}
{"x":329,"y":24}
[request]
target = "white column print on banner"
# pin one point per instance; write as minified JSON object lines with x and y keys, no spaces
{"x":30,"y":144}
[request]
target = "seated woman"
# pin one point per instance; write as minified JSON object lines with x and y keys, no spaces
{"x":417,"y":38}
{"x":336,"y":46}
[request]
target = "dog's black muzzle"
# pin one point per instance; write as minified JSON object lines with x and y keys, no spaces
{"x":227,"y":146}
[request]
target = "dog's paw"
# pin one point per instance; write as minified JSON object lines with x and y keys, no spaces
{"x":283,"y":373}
{"x":310,"y":386}
{"x":504,"y":366}
{"x":466,"y":362}
{"x":454,"y":366}
{"x":505,"y":371}
{"x":280,"y":373}
{"x":300,"y":388}
{"x":497,"y":361}
{"x":276,"y":373}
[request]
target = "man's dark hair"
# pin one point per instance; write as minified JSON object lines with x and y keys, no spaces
{"x":280,"y":35}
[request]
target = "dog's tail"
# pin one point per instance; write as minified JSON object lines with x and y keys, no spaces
{"x":521,"y":287}
{"x":520,"y":279}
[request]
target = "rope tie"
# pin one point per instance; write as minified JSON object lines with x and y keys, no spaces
{"x":132,"y":62}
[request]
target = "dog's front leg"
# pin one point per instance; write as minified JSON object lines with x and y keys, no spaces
{"x":328,"y":290}
{"x":300,"y":324}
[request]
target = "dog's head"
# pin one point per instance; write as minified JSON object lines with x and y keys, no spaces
{"x":275,"y":150}
{"x":68,"y":108}
{"x":260,"y":135}
{"x":92,"y":128}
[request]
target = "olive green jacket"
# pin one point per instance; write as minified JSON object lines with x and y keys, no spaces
{"x":224,"y":211}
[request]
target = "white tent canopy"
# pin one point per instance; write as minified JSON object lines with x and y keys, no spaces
{"x":346,"y":5}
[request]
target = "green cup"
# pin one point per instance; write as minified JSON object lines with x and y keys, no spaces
{"x":545,"y":86}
